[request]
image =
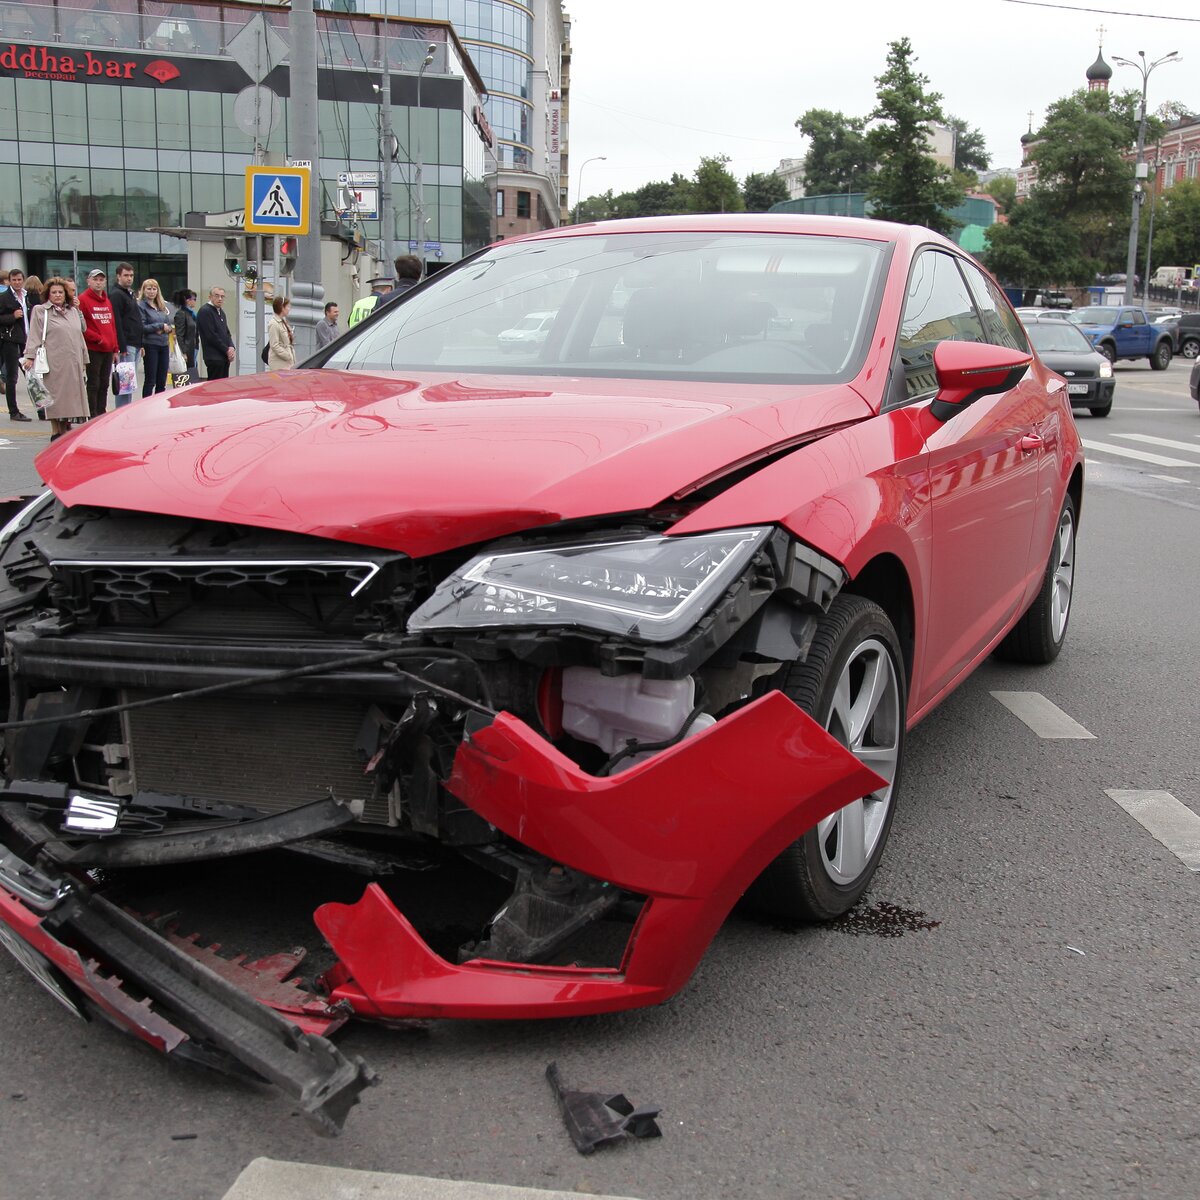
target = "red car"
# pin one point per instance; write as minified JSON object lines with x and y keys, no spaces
{"x":633,"y":619}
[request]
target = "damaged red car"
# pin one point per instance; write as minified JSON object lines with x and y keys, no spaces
{"x":632,"y":618}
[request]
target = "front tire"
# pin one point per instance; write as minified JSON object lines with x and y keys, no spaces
{"x":1160,"y":360}
{"x":1108,"y":350}
{"x":1039,"y":635}
{"x":852,"y":683}
{"x":1190,"y":348}
{"x":1101,"y":410}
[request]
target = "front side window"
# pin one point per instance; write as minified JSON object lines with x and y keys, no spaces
{"x":937,"y":308}
{"x":1001,"y":325}
{"x":698,"y":306}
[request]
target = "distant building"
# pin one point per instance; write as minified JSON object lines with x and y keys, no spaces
{"x":941,"y":141}
{"x":1175,"y":156}
{"x":791,"y":171}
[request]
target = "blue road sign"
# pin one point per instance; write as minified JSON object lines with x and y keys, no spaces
{"x":276,"y":200}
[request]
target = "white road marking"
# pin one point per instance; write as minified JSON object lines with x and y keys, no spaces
{"x":1170,"y":478}
{"x":1165,"y":818}
{"x":273,"y":1179}
{"x":1157,"y":460}
{"x":1045,"y":718}
{"x":1166,"y":443}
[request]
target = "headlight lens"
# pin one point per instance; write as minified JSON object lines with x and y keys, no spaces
{"x":1106,"y":369}
{"x":654,"y":588}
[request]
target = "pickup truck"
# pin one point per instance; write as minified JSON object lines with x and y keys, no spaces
{"x":1123,"y":331}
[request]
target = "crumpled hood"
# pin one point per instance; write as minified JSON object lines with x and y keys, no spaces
{"x":423,"y":465}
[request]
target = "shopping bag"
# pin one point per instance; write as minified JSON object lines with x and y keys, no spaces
{"x":38,"y":393}
{"x":177,"y":364}
{"x":126,"y":375}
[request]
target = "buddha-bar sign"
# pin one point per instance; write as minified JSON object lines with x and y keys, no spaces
{"x":71,"y":66}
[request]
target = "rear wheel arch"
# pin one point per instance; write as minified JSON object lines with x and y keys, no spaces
{"x":1075,"y":489}
{"x":885,"y":580}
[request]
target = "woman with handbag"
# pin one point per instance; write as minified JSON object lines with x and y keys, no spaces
{"x":187,"y":336}
{"x":55,"y":360}
{"x":281,"y":341}
{"x":156,"y":320}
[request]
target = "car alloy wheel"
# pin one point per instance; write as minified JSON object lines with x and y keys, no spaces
{"x":1160,"y":360}
{"x":852,"y":682}
{"x":1108,"y":350}
{"x":1040,"y":633}
{"x":1190,"y":348}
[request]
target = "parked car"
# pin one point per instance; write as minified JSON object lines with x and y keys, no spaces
{"x":1053,"y":314}
{"x":532,"y":330}
{"x":1188,"y":334}
{"x":1194,"y":381}
{"x":1125,"y":331}
{"x":1064,"y":348}
{"x":629,"y":627}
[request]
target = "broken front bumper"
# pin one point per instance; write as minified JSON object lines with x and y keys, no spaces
{"x":689,"y":829}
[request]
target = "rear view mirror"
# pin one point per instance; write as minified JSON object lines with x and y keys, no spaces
{"x":968,"y":370}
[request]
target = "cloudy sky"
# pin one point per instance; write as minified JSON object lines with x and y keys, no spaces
{"x":655,"y":84}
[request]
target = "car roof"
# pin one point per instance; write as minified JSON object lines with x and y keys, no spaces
{"x":794,"y":223}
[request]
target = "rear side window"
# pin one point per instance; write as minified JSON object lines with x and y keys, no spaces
{"x":937,"y":308}
{"x":1001,"y":325}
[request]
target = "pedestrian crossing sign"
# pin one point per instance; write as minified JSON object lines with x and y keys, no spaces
{"x":276,"y":200}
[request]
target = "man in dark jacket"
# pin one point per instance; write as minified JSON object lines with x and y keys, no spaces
{"x":408,"y":275}
{"x":216,"y":343}
{"x":125,"y":311}
{"x":15,"y":307}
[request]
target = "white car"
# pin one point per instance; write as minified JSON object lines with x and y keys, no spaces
{"x":531,"y":330}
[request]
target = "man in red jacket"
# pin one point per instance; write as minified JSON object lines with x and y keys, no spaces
{"x":100,"y":335}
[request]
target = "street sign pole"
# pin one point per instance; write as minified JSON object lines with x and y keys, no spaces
{"x":308,"y":295}
{"x":259,"y":307}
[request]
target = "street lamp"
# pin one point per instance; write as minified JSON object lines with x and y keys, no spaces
{"x":430,"y":51}
{"x":1139,"y":170}
{"x":579,"y":188}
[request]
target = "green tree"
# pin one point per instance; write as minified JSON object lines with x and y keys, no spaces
{"x":1036,"y":247}
{"x":760,"y":191}
{"x":715,"y":190}
{"x":970,"y":150}
{"x":1177,"y":225}
{"x":909,"y":186}
{"x":1003,"y":189}
{"x":839,"y":158}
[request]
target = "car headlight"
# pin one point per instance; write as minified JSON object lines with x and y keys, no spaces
{"x":654,"y":588}
{"x":23,"y":517}
{"x":1106,"y":369}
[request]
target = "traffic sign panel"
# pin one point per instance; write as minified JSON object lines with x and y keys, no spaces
{"x":276,"y":200}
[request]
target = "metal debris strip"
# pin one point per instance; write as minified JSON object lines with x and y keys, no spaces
{"x":595,"y":1119}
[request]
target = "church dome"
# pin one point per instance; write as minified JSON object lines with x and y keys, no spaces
{"x":1099,"y":71}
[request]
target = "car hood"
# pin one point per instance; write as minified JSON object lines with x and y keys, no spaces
{"x":426,"y":464}
{"x":1071,"y":360}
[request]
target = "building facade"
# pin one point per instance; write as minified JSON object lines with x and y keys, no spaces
{"x":519,"y":47}
{"x":119,"y":117}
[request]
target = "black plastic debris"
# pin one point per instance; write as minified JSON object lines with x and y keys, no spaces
{"x":595,"y":1119}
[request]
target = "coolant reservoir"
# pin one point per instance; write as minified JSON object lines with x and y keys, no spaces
{"x":608,"y":710}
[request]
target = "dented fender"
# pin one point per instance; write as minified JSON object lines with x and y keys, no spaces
{"x":690,"y":829}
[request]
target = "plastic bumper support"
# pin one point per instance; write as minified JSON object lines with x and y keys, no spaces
{"x":690,"y":829}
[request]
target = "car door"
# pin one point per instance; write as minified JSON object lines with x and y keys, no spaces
{"x":983,"y":465}
{"x":1133,"y":332}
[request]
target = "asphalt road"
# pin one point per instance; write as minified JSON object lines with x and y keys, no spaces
{"x":1019,"y":1021}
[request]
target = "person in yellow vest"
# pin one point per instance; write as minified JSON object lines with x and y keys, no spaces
{"x":362,"y":308}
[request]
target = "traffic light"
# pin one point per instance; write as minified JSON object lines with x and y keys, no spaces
{"x":235,"y":255}
{"x":287,"y":255}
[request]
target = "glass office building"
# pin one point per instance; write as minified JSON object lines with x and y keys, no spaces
{"x":118,"y":117}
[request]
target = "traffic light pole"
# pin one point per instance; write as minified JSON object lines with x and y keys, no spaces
{"x":308,"y":296}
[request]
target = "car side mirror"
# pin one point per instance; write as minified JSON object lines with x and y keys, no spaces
{"x":967,"y":371}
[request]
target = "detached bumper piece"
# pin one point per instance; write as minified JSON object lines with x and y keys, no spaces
{"x":215,"y":1017}
{"x":596,"y":1119}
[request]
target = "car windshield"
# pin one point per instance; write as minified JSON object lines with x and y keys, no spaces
{"x":677,"y":305}
{"x":1095,"y":316}
{"x":1060,"y":337}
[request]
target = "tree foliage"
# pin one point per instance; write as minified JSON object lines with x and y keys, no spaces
{"x":1177,"y":225}
{"x":970,"y":150}
{"x":1003,"y":189}
{"x":761,"y":191}
{"x":1076,"y":222}
{"x":909,"y":185}
{"x":840,"y":157}
{"x":715,"y":190}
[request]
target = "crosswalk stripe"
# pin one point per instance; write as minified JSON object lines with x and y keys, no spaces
{"x":1164,"y":818}
{"x":1043,"y":716}
{"x":1167,"y":443}
{"x":1157,"y":460}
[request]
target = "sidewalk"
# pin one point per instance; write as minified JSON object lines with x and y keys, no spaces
{"x":268,"y":1179}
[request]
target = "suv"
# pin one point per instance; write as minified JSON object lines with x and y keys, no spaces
{"x":1188,"y":335}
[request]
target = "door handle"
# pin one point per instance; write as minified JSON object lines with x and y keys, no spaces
{"x":1031,"y":441}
